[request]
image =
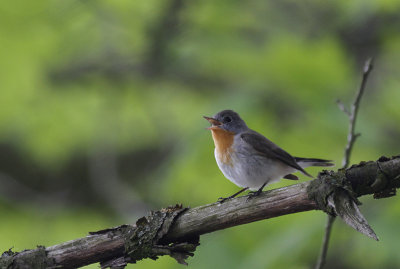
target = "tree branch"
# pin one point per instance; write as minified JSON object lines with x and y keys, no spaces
{"x":175,"y":231}
{"x":325,"y":242}
{"x":352,"y":136}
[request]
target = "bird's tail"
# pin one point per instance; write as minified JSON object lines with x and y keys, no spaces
{"x":306,"y":162}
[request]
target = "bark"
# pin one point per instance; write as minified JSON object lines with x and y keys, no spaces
{"x":175,"y":230}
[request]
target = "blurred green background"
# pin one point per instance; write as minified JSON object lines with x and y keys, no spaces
{"x":101,"y":106}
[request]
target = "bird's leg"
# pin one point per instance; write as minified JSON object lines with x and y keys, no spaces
{"x":256,"y":193}
{"x":221,"y":199}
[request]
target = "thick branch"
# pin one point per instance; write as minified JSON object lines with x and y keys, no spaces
{"x":213,"y":217}
{"x":177,"y":229}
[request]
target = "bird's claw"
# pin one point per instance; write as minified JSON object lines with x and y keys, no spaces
{"x":253,"y":194}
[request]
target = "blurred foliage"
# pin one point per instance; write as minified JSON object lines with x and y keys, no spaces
{"x":101,"y":105}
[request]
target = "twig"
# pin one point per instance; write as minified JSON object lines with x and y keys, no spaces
{"x":325,"y":243}
{"x":351,"y":138}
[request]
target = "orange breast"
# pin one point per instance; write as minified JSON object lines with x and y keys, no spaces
{"x":223,"y":141}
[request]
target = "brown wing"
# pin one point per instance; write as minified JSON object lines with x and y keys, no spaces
{"x":268,"y":149}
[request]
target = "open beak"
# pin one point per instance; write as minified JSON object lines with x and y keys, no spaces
{"x":214,"y":123}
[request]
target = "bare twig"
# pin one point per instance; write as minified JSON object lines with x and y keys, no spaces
{"x":351,"y":138}
{"x":325,"y":242}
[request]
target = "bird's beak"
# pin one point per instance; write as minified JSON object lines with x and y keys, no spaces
{"x":214,"y":123}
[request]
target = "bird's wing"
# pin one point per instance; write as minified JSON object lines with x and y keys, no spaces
{"x":266,"y":148}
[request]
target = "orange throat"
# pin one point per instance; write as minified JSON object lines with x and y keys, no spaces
{"x":223,"y":141}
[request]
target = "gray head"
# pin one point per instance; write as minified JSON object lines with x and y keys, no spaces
{"x":228,"y":120}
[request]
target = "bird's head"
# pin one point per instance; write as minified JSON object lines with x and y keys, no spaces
{"x":227,"y":120}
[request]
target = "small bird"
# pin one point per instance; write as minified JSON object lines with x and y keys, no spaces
{"x":249,"y":159}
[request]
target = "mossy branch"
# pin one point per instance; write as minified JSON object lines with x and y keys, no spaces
{"x":175,"y":231}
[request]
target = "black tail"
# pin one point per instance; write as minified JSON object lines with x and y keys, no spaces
{"x":306,"y":162}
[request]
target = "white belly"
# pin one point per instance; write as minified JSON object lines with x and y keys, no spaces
{"x":252,"y":171}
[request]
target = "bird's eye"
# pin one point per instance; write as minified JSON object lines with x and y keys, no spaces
{"x":227,"y":119}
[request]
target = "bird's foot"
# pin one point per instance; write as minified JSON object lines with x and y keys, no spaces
{"x":253,"y":194}
{"x":256,"y":193}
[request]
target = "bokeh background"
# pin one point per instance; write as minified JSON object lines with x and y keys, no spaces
{"x":101,"y":106}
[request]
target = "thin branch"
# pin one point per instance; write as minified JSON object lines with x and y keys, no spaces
{"x":325,"y":242}
{"x":351,"y":138}
{"x":115,"y":247}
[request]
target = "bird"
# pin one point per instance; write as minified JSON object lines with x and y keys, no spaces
{"x":249,"y":159}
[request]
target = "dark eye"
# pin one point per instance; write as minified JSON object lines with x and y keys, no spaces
{"x":227,"y":119}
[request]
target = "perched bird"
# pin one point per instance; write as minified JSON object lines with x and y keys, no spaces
{"x":249,"y":159}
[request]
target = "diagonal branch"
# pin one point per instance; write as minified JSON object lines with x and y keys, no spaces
{"x":352,"y":136}
{"x":175,"y":231}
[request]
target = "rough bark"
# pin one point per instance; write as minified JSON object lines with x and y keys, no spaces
{"x":175,"y":230}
